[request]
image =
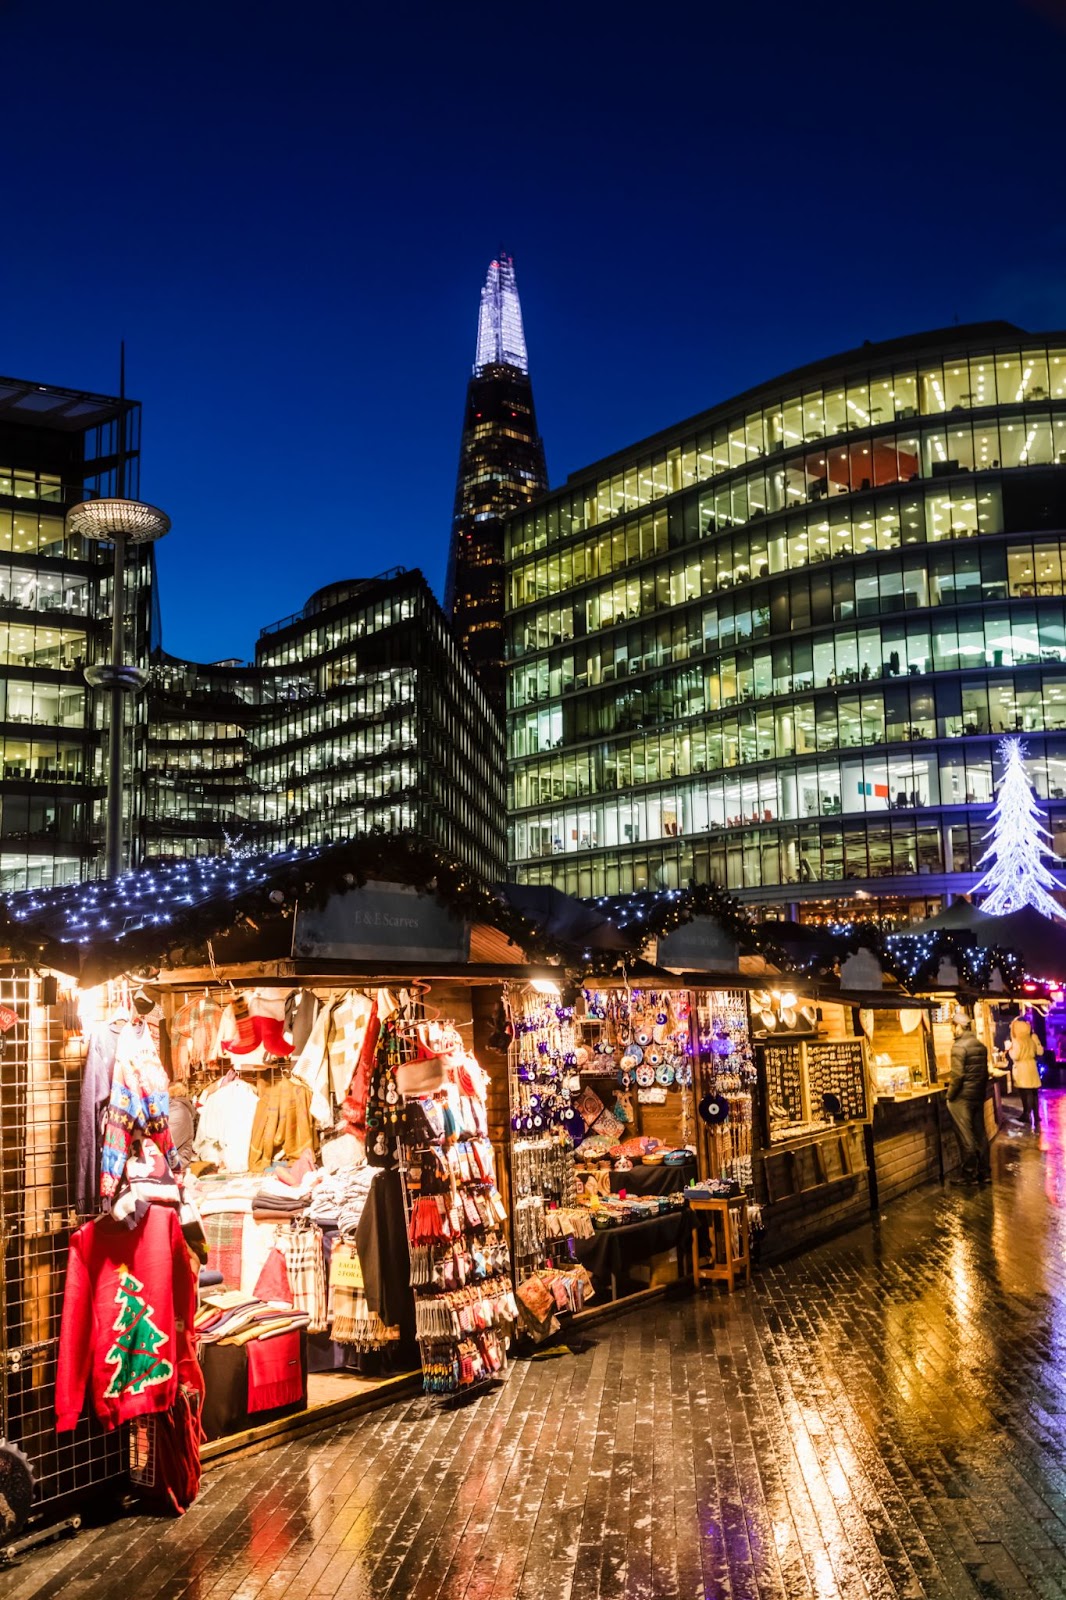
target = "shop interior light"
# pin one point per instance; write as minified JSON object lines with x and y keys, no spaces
{"x":545,"y":986}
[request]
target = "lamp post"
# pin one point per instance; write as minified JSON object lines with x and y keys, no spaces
{"x":119,"y":523}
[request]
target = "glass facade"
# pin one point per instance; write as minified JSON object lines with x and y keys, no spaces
{"x":58,"y":447}
{"x":360,"y":712}
{"x":774,"y":646}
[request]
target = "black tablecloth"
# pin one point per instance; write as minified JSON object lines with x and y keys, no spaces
{"x":611,"y":1250}
{"x":658,"y":1179}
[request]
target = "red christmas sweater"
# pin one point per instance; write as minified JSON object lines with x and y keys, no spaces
{"x":128,"y":1319}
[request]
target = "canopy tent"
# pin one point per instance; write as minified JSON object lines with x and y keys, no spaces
{"x":560,"y":917}
{"x":1040,"y":941}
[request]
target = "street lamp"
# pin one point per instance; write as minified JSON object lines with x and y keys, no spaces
{"x":120,"y":523}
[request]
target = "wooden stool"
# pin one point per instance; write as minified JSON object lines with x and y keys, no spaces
{"x":727,"y":1229}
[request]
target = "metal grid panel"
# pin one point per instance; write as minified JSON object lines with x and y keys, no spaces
{"x":40,"y":1082}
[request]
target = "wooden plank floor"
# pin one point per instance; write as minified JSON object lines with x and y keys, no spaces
{"x":882,"y":1417}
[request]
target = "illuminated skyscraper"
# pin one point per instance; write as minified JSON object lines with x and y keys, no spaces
{"x":501,"y":468}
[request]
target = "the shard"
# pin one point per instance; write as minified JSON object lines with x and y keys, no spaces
{"x":501,"y":467}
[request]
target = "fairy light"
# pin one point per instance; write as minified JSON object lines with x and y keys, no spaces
{"x":148,"y":897}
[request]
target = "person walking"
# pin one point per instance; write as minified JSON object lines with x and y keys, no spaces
{"x":966,"y":1101}
{"x":1024,"y":1047}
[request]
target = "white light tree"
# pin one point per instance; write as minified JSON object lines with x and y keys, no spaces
{"x":1017,"y":875}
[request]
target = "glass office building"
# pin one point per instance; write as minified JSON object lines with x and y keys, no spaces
{"x":501,"y":466}
{"x":57,"y":447}
{"x":361,"y":711}
{"x":774,"y":646}
{"x":199,"y":792}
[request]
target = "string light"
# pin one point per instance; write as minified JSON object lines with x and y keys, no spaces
{"x":194,"y":899}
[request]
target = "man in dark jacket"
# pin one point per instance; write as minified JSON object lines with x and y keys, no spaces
{"x":966,"y":1100}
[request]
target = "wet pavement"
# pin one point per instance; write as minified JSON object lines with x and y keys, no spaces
{"x":881,"y":1417}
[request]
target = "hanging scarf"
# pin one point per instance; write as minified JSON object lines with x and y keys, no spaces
{"x":355,"y":1099}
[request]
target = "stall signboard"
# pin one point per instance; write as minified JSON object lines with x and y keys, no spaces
{"x":379,"y":921}
{"x":701,"y":945}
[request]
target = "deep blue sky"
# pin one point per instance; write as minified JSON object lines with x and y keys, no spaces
{"x":287,"y":212}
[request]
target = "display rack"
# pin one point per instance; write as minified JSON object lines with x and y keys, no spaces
{"x":460,"y":1263}
{"x":799,"y":1073}
{"x":41,"y":1059}
{"x":725,"y":1069}
{"x":838,"y":1067}
{"x":542,"y":1065}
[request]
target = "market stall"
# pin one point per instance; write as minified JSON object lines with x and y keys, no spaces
{"x":658,"y":1080}
{"x":327,"y":1128}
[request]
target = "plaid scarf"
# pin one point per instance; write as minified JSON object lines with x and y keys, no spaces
{"x":301,"y":1245}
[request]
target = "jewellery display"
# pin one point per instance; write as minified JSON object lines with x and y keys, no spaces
{"x":835,"y":1067}
{"x":812,"y":1081}
{"x":784,"y":1085}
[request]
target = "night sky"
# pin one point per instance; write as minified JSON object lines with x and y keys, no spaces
{"x":287,"y":212}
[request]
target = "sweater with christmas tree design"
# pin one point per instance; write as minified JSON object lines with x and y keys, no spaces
{"x":129,"y":1306}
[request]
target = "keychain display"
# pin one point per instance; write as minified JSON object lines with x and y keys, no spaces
{"x":726,"y":1082}
{"x":465,"y":1312}
{"x":549,"y":1117}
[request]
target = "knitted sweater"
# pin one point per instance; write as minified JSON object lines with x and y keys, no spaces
{"x":129,"y":1306}
{"x":140,"y":1101}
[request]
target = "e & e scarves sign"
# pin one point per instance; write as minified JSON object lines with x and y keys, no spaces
{"x":381,"y":919}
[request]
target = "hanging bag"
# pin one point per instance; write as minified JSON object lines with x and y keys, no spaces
{"x":427,"y":1074}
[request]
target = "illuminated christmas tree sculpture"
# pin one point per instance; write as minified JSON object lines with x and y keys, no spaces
{"x":1017,"y":875}
{"x":134,"y":1354}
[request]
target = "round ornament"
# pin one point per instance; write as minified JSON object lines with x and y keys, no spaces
{"x":714,"y":1110}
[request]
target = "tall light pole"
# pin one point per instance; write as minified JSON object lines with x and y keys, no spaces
{"x":119,"y":523}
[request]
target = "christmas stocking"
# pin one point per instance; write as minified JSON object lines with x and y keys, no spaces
{"x":246,"y":1035}
{"x":271,"y":1036}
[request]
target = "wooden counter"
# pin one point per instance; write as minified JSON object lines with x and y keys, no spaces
{"x":811,"y":1188}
